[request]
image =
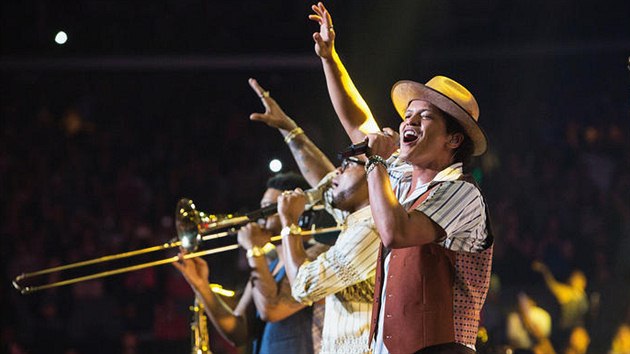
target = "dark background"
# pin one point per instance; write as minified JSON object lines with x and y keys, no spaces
{"x":148,"y":102}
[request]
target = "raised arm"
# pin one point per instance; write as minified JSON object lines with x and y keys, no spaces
{"x":351,"y":108}
{"x":312,"y":162}
{"x":272,"y":300}
{"x":562,"y":292}
{"x":231,"y":324}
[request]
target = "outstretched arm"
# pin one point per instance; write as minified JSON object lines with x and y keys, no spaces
{"x":312,"y":162}
{"x":231,"y":324}
{"x":562,"y":292}
{"x":351,"y":108}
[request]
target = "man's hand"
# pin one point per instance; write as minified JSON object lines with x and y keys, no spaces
{"x":274,"y":116}
{"x":325,"y":38}
{"x":291,"y":205}
{"x":195,"y":270}
{"x":384,"y":143}
{"x":252,"y":235}
{"x":539,"y":266}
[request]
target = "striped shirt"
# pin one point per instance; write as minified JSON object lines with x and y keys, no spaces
{"x":344,"y":275}
{"x":457,"y":206}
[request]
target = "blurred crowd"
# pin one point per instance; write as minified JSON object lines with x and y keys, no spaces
{"x":98,"y":171}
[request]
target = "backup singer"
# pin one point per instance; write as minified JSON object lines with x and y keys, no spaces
{"x":343,"y":275}
{"x":434,"y":267}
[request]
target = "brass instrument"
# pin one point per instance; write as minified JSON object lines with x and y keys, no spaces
{"x":193,"y":227}
{"x":200,"y":337}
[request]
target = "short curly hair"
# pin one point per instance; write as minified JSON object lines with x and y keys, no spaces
{"x":464,"y":152}
{"x":287,"y":181}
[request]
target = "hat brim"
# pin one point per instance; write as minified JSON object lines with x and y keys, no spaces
{"x":403,"y":92}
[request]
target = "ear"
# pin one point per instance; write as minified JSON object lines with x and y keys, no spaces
{"x":456,"y":140}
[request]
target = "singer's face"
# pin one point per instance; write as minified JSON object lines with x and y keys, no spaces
{"x":271,"y":223}
{"x":423,"y":136}
{"x":349,"y":186}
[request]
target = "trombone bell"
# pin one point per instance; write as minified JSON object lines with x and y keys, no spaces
{"x":192,"y":224}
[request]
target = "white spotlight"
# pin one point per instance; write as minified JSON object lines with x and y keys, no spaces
{"x":275,"y":165}
{"x":61,"y":37}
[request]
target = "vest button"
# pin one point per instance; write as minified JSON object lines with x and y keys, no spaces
{"x":389,"y":315}
{"x":388,"y":337}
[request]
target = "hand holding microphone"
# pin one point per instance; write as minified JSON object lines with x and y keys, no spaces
{"x":382,"y":143}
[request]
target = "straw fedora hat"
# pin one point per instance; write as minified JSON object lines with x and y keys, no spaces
{"x":450,"y":97}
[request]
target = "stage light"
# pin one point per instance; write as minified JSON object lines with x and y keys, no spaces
{"x":61,"y":37}
{"x":275,"y":165}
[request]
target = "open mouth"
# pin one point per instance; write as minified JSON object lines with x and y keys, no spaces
{"x":409,"y":136}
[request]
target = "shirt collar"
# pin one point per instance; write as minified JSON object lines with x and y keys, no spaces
{"x":358,"y":215}
{"x":451,"y":173}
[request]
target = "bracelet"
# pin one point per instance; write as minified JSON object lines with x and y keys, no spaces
{"x":291,"y":230}
{"x":373,"y":161}
{"x":292,"y":134}
{"x":254,"y":252}
{"x":260,"y":251}
{"x":268,"y":247}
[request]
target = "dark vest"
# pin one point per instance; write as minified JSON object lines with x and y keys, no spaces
{"x":428,"y":301}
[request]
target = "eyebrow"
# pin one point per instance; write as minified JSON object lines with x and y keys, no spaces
{"x":420,"y":112}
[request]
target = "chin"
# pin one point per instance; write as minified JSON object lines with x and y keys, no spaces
{"x":337,"y":202}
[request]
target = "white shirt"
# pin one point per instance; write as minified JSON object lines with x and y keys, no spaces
{"x":344,"y":275}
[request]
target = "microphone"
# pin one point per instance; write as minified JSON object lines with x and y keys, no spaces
{"x":313,"y":197}
{"x":354,"y":150}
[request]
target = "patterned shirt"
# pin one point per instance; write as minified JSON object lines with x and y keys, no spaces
{"x":457,"y":206}
{"x":344,"y":275}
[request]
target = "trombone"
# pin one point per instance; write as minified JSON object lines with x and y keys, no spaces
{"x":193,"y":227}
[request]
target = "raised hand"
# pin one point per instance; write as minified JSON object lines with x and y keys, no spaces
{"x":325,"y":38}
{"x":539,"y":266}
{"x":274,"y":116}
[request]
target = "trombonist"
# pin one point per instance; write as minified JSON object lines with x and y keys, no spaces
{"x":266,"y":315}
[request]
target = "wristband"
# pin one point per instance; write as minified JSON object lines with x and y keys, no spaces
{"x":268,"y":247}
{"x":373,"y":161}
{"x":292,"y":134}
{"x":254,"y":252}
{"x":291,"y":230}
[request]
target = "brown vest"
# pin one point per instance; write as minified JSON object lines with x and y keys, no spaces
{"x":428,"y":301}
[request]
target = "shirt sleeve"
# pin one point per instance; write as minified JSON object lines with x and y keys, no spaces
{"x":351,"y":260}
{"x":458,"y":207}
